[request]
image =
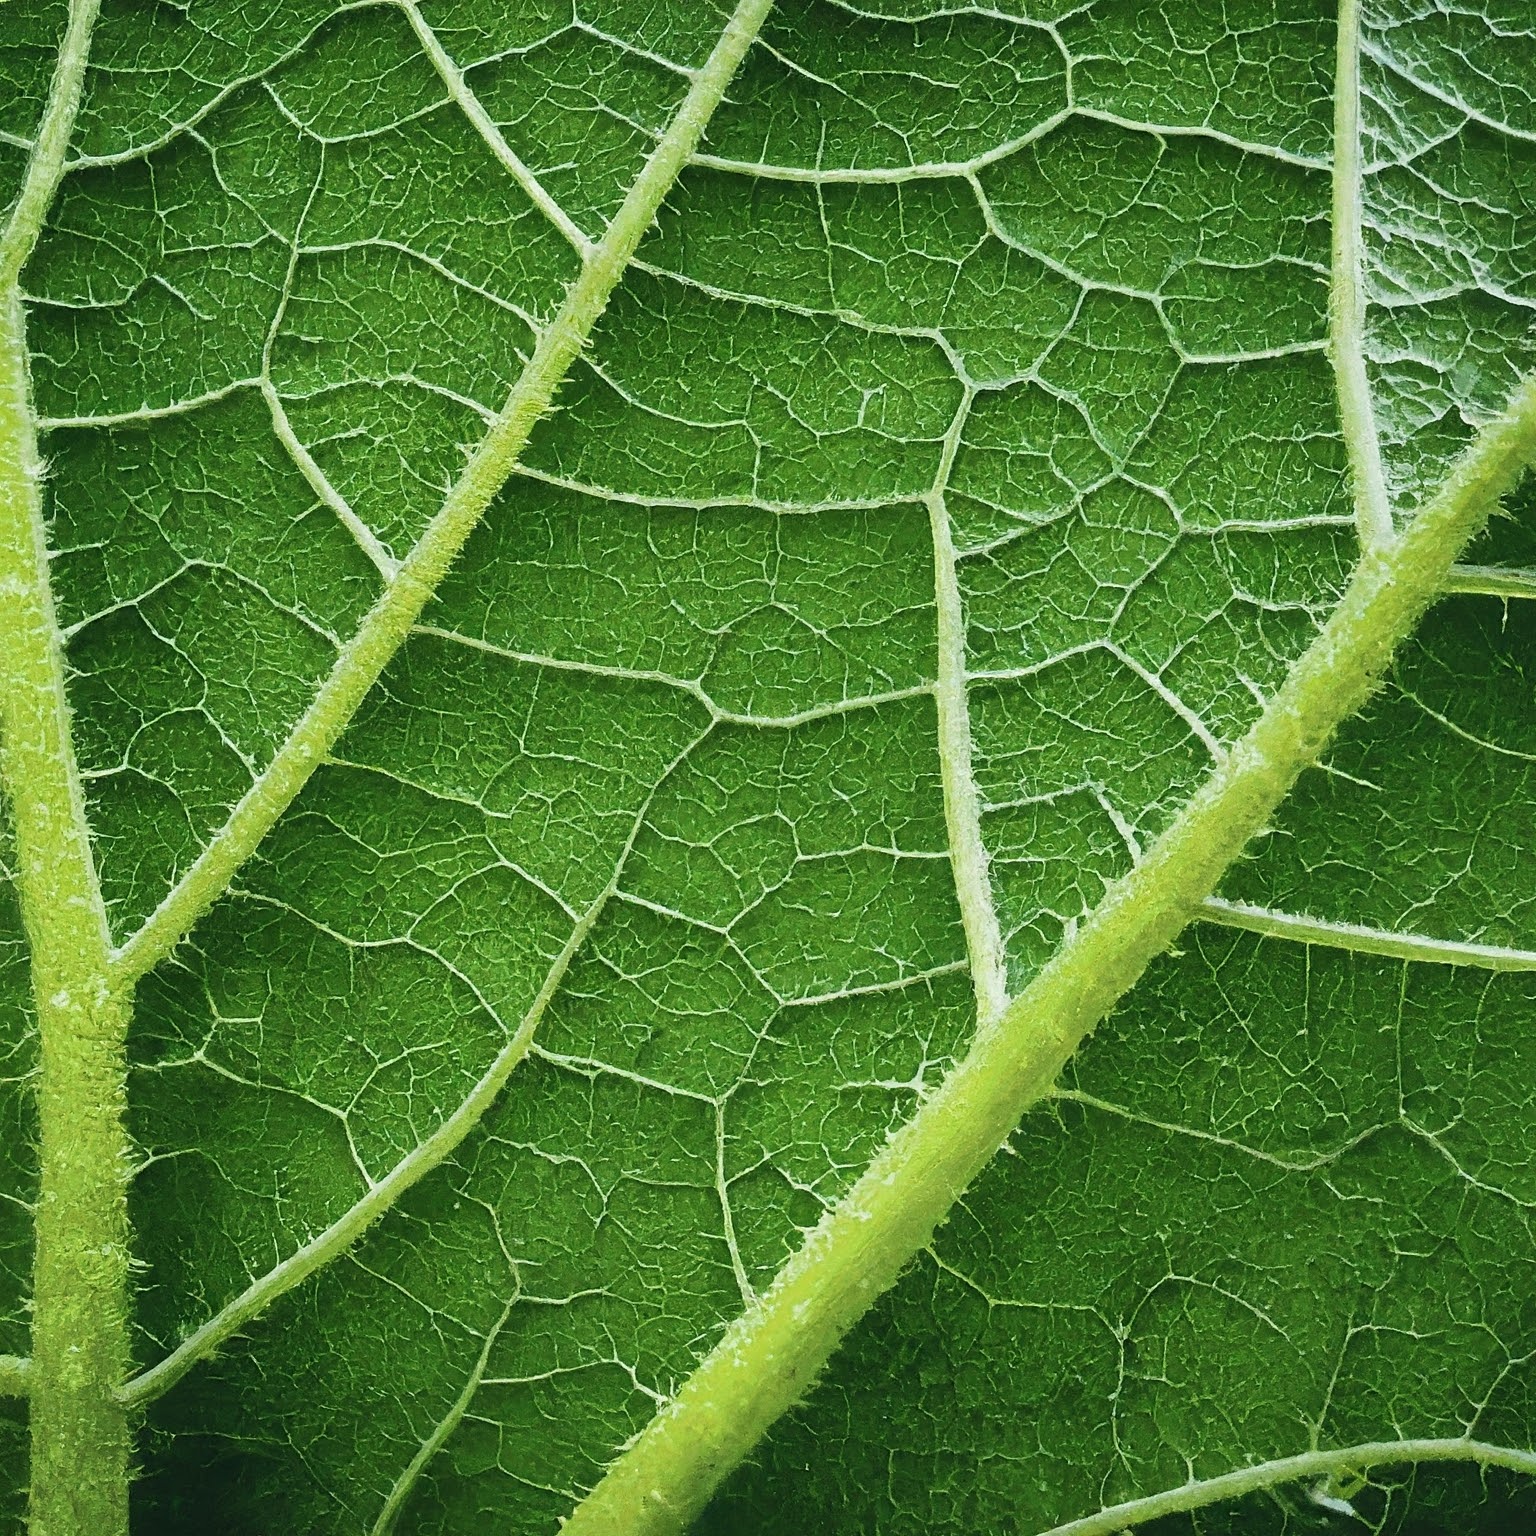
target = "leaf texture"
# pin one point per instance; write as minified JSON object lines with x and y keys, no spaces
{"x":951,"y":478}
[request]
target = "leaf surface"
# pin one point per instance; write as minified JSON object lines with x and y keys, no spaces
{"x":989,"y":334}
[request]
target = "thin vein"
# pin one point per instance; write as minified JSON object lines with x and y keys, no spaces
{"x":1203,"y":1492}
{"x":389,"y":622}
{"x":691,"y":686}
{"x":146,"y":413}
{"x":405,"y":1484}
{"x":934,"y":170}
{"x":411,"y":1169}
{"x":327,"y":494}
{"x":470,"y":105}
{"x":1172,"y":1128}
{"x":1363,"y":940}
{"x":1346,"y":298}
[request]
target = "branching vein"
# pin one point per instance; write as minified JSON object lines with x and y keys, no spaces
{"x":769,"y":1356}
{"x":1364,"y":940}
{"x":389,"y":621}
{"x":1318,"y":1466}
{"x":962,"y":807}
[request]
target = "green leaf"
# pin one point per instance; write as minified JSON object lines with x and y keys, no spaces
{"x":553,"y":844}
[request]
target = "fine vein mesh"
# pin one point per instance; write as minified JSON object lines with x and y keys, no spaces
{"x":1062,"y":278}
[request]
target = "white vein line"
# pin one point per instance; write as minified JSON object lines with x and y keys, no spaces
{"x":1198,"y":1493}
{"x":878,"y":175}
{"x":1460,"y":730}
{"x":962,"y":808}
{"x":1172,"y":1128}
{"x":362,"y":535}
{"x":1363,"y":940}
{"x":727,"y":1218}
{"x":146,"y":413}
{"x":926,"y":170}
{"x":693,"y":687}
{"x":1346,"y":296}
{"x":470,"y":105}
{"x":405,"y":1484}
{"x":1438,"y":93}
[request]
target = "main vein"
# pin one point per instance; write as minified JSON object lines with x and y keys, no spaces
{"x":387,"y":624}
{"x":768,"y":1357}
{"x":80,"y":1444}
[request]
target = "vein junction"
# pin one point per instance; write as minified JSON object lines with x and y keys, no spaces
{"x":1019,"y":685}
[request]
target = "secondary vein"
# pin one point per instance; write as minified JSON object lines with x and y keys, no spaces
{"x":1200,"y":1493}
{"x":1346,"y":298}
{"x":388,"y":623}
{"x":962,"y":805}
{"x":768,"y":1357}
{"x":1360,"y":939}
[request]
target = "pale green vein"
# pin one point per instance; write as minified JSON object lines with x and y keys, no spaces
{"x":45,"y":165}
{"x":1320,"y":1465}
{"x":962,"y":807}
{"x":1363,"y":940}
{"x":1491,"y":581}
{"x":405,"y":1484}
{"x":483,"y":123}
{"x":1346,"y":298}
{"x":326,"y":493}
{"x":389,"y":621}
{"x":770,"y":1355}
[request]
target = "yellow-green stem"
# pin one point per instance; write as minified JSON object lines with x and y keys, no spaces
{"x":768,"y":1357}
{"x":80,"y":1437}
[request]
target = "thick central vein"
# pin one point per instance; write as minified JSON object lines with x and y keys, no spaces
{"x":80,"y":1443}
{"x":388,"y":623}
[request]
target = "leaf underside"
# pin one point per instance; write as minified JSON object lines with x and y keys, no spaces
{"x":1058,"y":284}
